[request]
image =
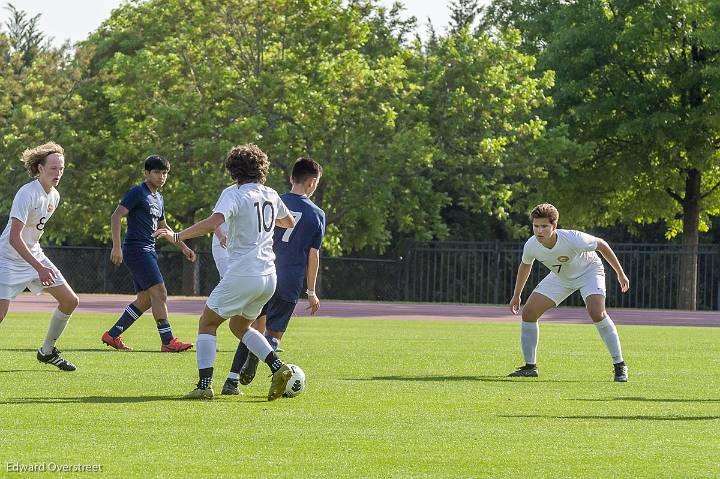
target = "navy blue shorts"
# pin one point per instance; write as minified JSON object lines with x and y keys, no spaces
{"x":144,"y":268}
{"x":278,"y":314}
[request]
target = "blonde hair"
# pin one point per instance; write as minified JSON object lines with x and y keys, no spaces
{"x":545,"y":210}
{"x":32,"y":157}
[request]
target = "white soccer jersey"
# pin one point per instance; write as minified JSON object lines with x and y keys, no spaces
{"x":250,"y":212}
{"x":34,"y":207}
{"x":573,"y":254}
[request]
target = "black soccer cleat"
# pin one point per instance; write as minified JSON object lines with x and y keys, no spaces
{"x":247,"y":373}
{"x":230,"y":388}
{"x":621,"y":372}
{"x":55,"y":359}
{"x":527,"y":371}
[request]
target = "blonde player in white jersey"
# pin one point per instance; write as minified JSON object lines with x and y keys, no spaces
{"x":22,"y":262}
{"x":574,"y":265}
{"x":251,"y":211}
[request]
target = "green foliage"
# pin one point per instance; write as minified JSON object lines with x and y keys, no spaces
{"x":636,"y":87}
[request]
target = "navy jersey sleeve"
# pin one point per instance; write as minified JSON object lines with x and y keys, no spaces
{"x":320,"y":231}
{"x":162,"y":209}
{"x":131,"y":198}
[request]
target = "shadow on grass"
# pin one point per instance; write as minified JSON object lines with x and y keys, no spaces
{"x":498,"y":379}
{"x":643,"y":399}
{"x":88,"y":350}
{"x":30,"y":371}
{"x":125,"y":399}
{"x":620,"y":418}
{"x":92,"y":400}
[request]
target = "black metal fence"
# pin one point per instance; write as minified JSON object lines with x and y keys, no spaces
{"x":455,"y":272}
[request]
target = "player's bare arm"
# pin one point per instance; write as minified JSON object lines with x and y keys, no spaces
{"x":312,"y":271}
{"x":222,"y":237}
{"x":186,"y":250}
{"x":208,"y":225}
{"x":614,"y":263}
{"x":47,"y":275}
{"x":116,"y":255}
{"x":287,"y":222}
{"x":522,"y":276}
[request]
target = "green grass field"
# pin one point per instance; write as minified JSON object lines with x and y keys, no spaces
{"x":384,"y":399}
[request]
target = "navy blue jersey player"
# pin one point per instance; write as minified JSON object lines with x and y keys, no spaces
{"x":297,"y":259}
{"x":145,"y":210}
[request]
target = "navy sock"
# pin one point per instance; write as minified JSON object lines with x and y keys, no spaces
{"x":205,"y":378}
{"x":166,"y":334}
{"x":273,"y":361}
{"x":241,"y":354}
{"x":129,"y":316}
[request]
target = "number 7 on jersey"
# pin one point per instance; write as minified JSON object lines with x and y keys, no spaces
{"x":296,"y":216}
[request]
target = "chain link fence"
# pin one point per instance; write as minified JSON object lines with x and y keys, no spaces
{"x":454,"y":272}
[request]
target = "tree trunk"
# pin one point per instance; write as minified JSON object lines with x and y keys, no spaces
{"x":190,"y":274}
{"x":687,"y":289}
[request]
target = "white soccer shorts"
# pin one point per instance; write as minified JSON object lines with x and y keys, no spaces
{"x":591,"y":282}
{"x":15,"y":276}
{"x":241,"y":295}
{"x":222,"y":259}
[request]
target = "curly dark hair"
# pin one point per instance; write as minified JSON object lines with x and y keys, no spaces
{"x":247,"y":164}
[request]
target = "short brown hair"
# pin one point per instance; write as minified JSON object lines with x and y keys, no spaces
{"x":545,"y":210}
{"x":32,"y":157}
{"x":247,"y":163}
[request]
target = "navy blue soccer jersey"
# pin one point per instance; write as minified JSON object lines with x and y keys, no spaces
{"x":145,"y":209}
{"x":292,"y":245}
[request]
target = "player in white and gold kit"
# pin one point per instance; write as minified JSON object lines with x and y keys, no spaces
{"x":22,"y":262}
{"x":251,"y":211}
{"x":574,"y":265}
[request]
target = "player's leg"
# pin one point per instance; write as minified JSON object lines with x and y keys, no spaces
{"x":240,"y":361}
{"x":536,"y":305}
{"x":133,"y":311}
{"x":158,"y":301}
{"x":206,"y":351}
{"x":259,"y":346}
{"x":4,"y":307}
{"x":595,"y":304}
{"x":550,"y":292}
{"x":279,"y":315}
{"x":67,"y":302}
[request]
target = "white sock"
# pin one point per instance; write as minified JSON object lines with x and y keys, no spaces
{"x":609,"y":335}
{"x":234,"y":376}
{"x":205,"y":347}
{"x":58,"y":321}
{"x":529,"y":335}
{"x":256,"y":343}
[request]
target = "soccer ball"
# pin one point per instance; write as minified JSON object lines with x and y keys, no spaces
{"x":296,"y":384}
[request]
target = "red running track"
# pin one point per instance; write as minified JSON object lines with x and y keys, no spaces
{"x":90,"y":303}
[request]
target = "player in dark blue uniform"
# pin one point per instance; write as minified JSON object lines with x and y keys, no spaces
{"x":297,"y":259}
{"x":145,"y":210}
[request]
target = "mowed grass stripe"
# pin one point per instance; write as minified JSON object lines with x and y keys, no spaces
{"x":384,"y":399}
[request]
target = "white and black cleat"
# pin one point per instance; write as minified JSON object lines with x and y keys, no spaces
{"x":621,"y":373}
{"x":56,"y":360}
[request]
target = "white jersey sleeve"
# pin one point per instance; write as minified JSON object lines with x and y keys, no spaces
{"x":226,"y":205}
{"x":582,"y":242}
{"x":527,"y":256}
{"x":22,"y":205}
{"x":283,"y":211}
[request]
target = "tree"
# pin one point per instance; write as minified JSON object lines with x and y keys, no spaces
{"x":482,"y":96}
{"x":635,"y":85}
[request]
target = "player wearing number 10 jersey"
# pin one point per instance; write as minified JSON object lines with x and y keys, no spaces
{"x":574,"y":265}
{"x":297,"y":258}
{"x":251,"y":211}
